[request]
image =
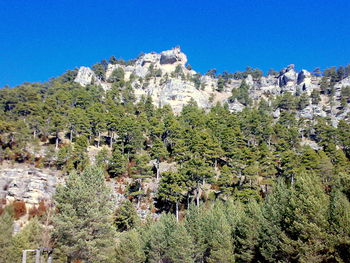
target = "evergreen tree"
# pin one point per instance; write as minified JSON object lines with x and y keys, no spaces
{"x":169,"y":242}
{"x":275,"y":245}
{"x":195,"y":223}
{"x":130,"y":248}
{"x":117,"y":163}
{"x":220,"y":243}
{"x":30,"y":237}
{"x":226,"y":180}
{"x":339,"y":219}
{"x":126,"y":217}
{"x":159,"y":152}
{"x":180,"y":245}
{"x":307,"y":222}
{"x":83,"y":224}
{"x":6,"y":231}
{"x":246,"y":233}
{"x":140,"y":172}
{"x":196,"y":171}
{"x":172,"y":188}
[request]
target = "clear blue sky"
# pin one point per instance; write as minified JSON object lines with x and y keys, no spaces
{"x":43,"y":39}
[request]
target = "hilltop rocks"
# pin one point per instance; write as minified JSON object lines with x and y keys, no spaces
{"x":165,"y":77}
{"x":85,"y":76}
{"x":172,"y":56}
{"x":303,"y":76}
{"x":288,"y":77}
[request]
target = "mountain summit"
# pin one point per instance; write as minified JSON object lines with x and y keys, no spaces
{"x":168,"y":79}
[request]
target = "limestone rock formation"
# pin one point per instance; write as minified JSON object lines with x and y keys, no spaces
{"x":27,"y":183}
{"x":85,"y":76}
{"x":165,"y":77}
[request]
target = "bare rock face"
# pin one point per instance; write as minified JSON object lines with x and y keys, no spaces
{"x":303,"y":76}
{"x":288,"y":78}
{"x":27,"y":183}
{"x":178,"y":93}
{"x":165,"y":77}
{"x":312,"y":111}
{"x":85,"y":76}
{"x":172,"y":56}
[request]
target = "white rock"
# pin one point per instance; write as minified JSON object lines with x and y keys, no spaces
{"x":85,"y":76}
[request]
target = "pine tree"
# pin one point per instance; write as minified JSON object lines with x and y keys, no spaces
{"x":117,"y":164}
{"x":339,"y":219}
{"x":220,"y":243}
{"x":275,"y":245}
{"x":226,"y":181}
{"x":195,"y":223}
{"x":308,"y":210}
{"x":83,"y":224}
{"x":6,"y":232}
{"x":102,"y":158}
{"x":126,"y":217}
{"x":158,"y":242}
{"x":172,"y":188}
{"x":309,"y":160}
{"x":246,"y":233}
{"x":159,"y":152}
{"x":130,"y":248}
{"x":140,"y":172}
{"x":180,"y":245}
{"x":196,"y":171}
{"x":30,"y":237}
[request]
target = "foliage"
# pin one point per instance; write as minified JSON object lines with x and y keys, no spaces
{"x":83,"y":224}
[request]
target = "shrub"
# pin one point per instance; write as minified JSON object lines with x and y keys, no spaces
{"x":19,"y":208}
{"x":42,"y":208}
{"x":33,"y":212}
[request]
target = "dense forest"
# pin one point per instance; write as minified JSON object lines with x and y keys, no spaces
{"x":247,"y":187}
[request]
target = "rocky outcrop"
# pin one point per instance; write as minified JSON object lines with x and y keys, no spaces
{"x":173,"y":56}
{"x":27,"y":183}
{"x":175,"y":85}
{"x":85,"y":76}
{"x":288,"y":76}
{"x":178,"y":93}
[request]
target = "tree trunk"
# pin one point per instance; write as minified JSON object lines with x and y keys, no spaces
{"x":158,"y":172}
{"x":292,"y":180}
{"x":177,"y":211}
{"x":111,"y":140}
{"x":197,"y":196}
{"x":99,"y":138}
{"x":56,"y":144}
{"x":71,"y":135}
{"x":139,"y":197}
{"x":34,"y":134}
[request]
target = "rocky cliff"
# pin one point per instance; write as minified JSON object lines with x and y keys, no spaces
{"x":168,"y":80}
{"x":27,"y":183}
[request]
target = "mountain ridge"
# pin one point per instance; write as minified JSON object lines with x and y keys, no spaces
{"x":168,"y":79}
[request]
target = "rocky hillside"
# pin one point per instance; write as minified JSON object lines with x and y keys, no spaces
{"x":168,"y":79}
{"x":166,"y":136}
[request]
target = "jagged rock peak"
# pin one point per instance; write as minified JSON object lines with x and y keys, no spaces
{"x":172,"y":56}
